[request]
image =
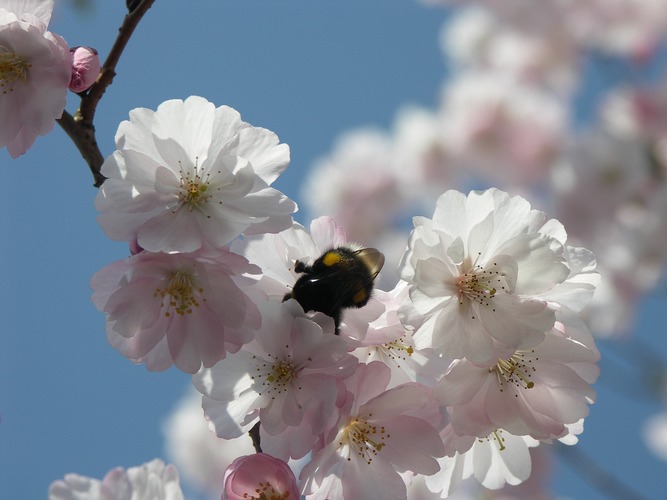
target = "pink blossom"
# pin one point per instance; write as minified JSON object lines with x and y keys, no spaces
{"x":379,"y":433}
{"x":625,"y":27}
{"x":276,"y":254}
{"x":364,"y":209}
{"x":495,"y":460}
{"x":85,"y":68}
{"x":610,"y":196}
{"x":376,"y":333}
{"x":424,"y":160}
{"x":182,"y":309}
{"x":198,"y":453}
{"x":531,"y":52}
{"x":536,"y":392}
{"x":259,"y":476}
{"x":149,"y":481}
{"x":289,"y":375}
{"x":34,"y":74}
{"x":511,"y":132}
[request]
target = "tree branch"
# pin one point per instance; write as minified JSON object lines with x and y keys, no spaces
{"x":80,"y":127}
{"x":254,"y":435}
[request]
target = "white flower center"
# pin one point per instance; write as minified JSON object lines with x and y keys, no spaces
{"x":179,"y":295}
{"x":12,"y":68}
{"x":195,"y":187}
{"x":396,"y":350}
{"x":363,"y":439}
{"x":516,"y":370}
{"x":480,"y":285}
{"x":276,"y":377}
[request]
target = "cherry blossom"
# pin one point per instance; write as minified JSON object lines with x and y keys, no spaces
{"x":149,"y":481}
{"x":182,"y":309}
{"x":626,"y":27}
{"x":424,"y":162}
{"x":276,"y":254}
{"x":382,"y":337}
{"x":542,"y":54}
{"x":508,"y":131}
{"x":475,"y":270}
{"x":34,"y":74}
{"x":198,"y":453}
{"x":288,"y":375}
{"x":379,"y":433}
{"x":259,"y":476}
{"x":85,"y":68}
{"x":655,"y":435}
{"x":190,"y":175}
{"x":609,"y":195}
{"x":363,"y":208}
{"x":498,"y":459}
{"x":536,"y":392}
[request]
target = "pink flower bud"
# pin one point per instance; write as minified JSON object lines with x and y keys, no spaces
{"x":85,"y":68}
{"x":259,"y":476}
{"x":135,"y":247}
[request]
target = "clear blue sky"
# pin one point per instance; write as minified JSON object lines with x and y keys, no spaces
{"x":306,"y":69}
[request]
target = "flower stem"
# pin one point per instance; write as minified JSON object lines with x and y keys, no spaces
{"x":80,"y":127}
{"x":254,"y":435}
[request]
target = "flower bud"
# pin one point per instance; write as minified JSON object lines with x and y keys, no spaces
{"x":259,"y":476}
{"x":85,"y":68}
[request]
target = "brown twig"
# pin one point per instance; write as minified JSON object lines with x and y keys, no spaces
{"x":254,"y":435}
{"x":80,"y":127}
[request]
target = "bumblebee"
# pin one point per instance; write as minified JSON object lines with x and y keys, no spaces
{"x":342,"y":277}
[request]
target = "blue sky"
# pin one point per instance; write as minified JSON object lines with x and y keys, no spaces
{"x":306,"y":69}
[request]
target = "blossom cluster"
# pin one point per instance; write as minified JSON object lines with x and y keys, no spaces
{"x":185,"y":181}
{"x":562,"y":102}
{"x":477,"y":349}
{"x":473,"y":350}
{"x":507,"y":118}
{"x":36,"y":69}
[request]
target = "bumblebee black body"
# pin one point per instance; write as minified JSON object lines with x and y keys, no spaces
{"x":342,"y":277}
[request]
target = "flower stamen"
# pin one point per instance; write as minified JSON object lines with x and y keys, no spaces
{"x":396,"y":350}
{"x":12,"y":68}
{"x":364,"y":438}
{"x":266,"y":491}
{"x":276,"y":377}
{"x":194,"y":187}
{"x":496,"y":436}
{"x":179,"y":293}
{"x":479,"y":285}
{"x":515,"y":370}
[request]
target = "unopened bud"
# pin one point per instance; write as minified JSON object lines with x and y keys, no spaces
{"x":135,"y":248}
{"x":85,"y":68}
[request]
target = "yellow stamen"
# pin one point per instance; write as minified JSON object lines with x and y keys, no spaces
{"x":12,"y":68}
{"x":275,"y":377}
{"x":364,"y":438}
{"x":496,"y":436}
{"x":266,"y":491}
{"x":179,"y":294}
{"x":515,"y":370}
{"x":195,"y":187}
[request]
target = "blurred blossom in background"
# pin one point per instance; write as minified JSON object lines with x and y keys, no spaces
{"x":563,"y":103}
